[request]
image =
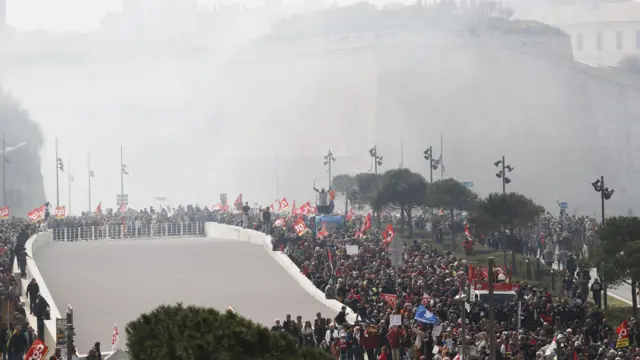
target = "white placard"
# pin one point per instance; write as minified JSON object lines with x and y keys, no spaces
{"x":395,"y":320}
{"x":352,"y":249}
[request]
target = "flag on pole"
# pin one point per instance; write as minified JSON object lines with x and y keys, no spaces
{"x":99,"y":208}
{"x":114,"y":338}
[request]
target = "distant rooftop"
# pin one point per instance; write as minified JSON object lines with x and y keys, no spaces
{"x":588,"y":12}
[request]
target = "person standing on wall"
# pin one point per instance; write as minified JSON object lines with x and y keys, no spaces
{"x":33,"y":289}
{"x":245,"y":215}
{"x":43,"y":312}
{"x":323,"y":200}
{"x":266,"y":219}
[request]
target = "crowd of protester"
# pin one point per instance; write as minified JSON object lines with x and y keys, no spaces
{"x":567,"y":325}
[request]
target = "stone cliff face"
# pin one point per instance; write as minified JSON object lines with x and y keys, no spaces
{"x":25,"y":186}
{"x":491,"y":94}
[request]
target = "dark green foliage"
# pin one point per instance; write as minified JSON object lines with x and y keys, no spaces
{"x":504,"y":210}
{"x":450,"y":194}
{"x":196,"y":333}
{"x":404,"y":189}
{"x":618,"y":255}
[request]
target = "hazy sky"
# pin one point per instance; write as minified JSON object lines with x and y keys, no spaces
{"x":84,"y":15}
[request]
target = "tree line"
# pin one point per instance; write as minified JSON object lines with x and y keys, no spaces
{"x":404,"y":190}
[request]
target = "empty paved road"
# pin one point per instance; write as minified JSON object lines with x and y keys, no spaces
{"x":114,"y":281}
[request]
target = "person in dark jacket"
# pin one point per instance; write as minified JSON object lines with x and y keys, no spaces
{"x":33,"y":289}
{"x":42,"y":313}
{"x":17,"y":344}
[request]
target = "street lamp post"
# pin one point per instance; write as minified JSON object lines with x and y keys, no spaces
{"x":433,"y":163}
{"x":377,"y":161}
{"x":502,"y":174}
{"x":59,"y":167}
{"x":605,"y":194}
{"x":328,"y":159}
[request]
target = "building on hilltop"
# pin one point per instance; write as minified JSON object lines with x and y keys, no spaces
{"x":603,"y":32}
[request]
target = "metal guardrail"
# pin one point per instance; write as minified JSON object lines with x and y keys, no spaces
{"x":129,"y":231}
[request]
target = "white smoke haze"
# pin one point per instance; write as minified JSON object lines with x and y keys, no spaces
{"x":236,"y":100}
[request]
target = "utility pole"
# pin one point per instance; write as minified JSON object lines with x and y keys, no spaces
{"x":492,"y":309}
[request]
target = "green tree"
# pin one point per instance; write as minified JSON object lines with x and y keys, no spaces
{"x":367,"y":189}
{"x":187,"y":333}
{"x":504,"y":210}
{"x":451,"y":195}
{"x":406,"y":190}
{"x":618,"y":254}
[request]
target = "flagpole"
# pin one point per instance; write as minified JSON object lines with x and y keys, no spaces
{"x":89,"y":176}
{"x":121,"y":177}
{"x":57,"y":180}
{"x":4,"y":172}
{"x":69,"y":178}
{"x":401,"y":156}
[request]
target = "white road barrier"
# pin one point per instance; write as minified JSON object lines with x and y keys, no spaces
{"x":115,"y":231}
{"x":228,"y":232}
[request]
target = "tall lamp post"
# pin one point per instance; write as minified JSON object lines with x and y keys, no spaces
{"x":59,"y":167}
{"x":433,"y":163}
{"x":605,"y":194}
{"x":328,"y":159}
{"x":377,"y":161}
{"x":502,"y":174}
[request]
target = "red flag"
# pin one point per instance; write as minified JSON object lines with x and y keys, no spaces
{"x":470,"y":274}
{"x":238,"y":203}
{"x":272,"y":208}
{"x":366,"y":225}
{"x":388,"y":235}
{"x":330,"y":259}
{"x":4,"y":213}
{"x":300,"y":227}
{"x":99,"y":208}
{"x":323,"y":232}
{"x":38,"y":350}
{"x":283,"y":205}
{"x":280,"y":222}
{"x":350,"y":214}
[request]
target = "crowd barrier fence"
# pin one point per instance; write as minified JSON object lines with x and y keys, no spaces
{"x":116,"y":231}
{"x":228,"y":232}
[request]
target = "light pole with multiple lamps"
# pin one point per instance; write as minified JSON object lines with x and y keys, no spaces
{"x":502,"y":174}
{"x":433,"y":163}
{"x":377,"y":161}
{"x":605,"y":194}
{"x":328,"y":159}
{"x":59,"y":167}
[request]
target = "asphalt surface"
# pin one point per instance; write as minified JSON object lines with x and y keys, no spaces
{"x":622,"y":292}
{"x":113,"y":281}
